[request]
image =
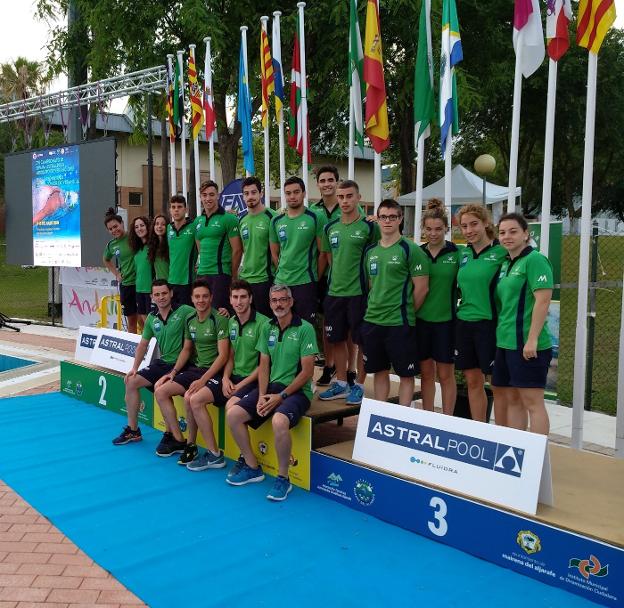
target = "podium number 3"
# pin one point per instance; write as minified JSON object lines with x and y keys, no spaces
{"x":439,"y":527}
{"x":102,"y":383}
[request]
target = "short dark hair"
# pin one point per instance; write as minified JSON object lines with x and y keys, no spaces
{"x":514,"y":217}
{"x":241,"y":284}
{"x":112,"y":215}
{"x":201,"y":283}
{"x":327,"y":169}
{"x":294,"y":179}
{"x":161,"y":283}
{"x":348,"y":183}
{"x":177,"y":199}
{"x":208,"y":184}
{"x":390,"y":203}
{"x":252,"y":180}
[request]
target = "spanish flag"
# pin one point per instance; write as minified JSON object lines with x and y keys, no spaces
{"x":376,"y":119}
{"x":197,"y":111}
{"x":595,"y":17}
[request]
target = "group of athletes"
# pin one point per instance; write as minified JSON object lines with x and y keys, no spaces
{"x":234,"y":303}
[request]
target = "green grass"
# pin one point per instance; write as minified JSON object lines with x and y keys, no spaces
{"x":23,"y":291}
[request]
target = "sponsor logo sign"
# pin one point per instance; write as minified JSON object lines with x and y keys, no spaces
{"x":85,"y":343}
{"x":116,"y":349}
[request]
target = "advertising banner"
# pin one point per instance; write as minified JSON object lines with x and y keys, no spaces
{"x":85,"y":343}
{"x":116,"y":349}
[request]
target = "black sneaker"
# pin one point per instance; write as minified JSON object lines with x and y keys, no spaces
{"x":169,"y":446}
{"x":351,"y":377}
{"x":190,"y":451}
{"x":326,"y":376}
{"x":128,"y":436}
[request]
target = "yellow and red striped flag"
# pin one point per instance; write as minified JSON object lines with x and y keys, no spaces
{"x":595,"y":17}
{"x":169,"y":106}
{"x":376,"y":119}
{"x":197,"y":111}
{"x":266,"y":71}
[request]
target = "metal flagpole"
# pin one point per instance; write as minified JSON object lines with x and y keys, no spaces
{"x":551,"y":99}
{"x":208,"y":80}
{"x":277,"y":53}
{"x":420,"y":169}
{"x":196,"y":146}
{"x":515,"y":125}
{"x":183,"y":122}
{"x":377,"y":182}
{"x":172,"y":145}
{"x":351,"y":166}
{"x":267,"y":159}
{"x":243,"y":30}
{"x":619,"y":408}
{"x":304,"y":98}
{"x":448,"y":186}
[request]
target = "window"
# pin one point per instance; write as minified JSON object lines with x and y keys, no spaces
{"x":135,"y":199}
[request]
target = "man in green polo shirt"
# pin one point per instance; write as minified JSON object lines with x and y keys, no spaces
{"x":254,"y":225}
{"x":295,"y":237}
{"x":219,"y":245}
{"x":287,"y":345}
{"x":397,"y":272}
{"x":182,"y":250}
{"x":167,"y":326}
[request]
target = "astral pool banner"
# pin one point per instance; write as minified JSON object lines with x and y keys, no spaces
{"x":116,"y":349}
{"x":85,"y":343}
{"x":56,"y":207}
{"x":498,"y":464}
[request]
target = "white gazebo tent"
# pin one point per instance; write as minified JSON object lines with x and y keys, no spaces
{"x":466,"y":188}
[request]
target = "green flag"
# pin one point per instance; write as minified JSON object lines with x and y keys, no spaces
{"x":178,"y":98}
{"x":356,"y":68}
{"x":424,"y":106}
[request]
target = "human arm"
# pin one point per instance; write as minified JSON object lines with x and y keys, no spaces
{"x":263,"y":375}
{"x":223,"y":347}
{"x":228,"y":385}
{"x":275,"y":253}
{"x":112,"y":268}
{"x":181,"y":361}
{"x":421,"y":289}
{"x":322,"y":258}
{"x":237,"y":254}
{"x":538,"y":318}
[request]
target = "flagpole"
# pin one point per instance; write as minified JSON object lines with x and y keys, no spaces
{"x":172,"y":146}
{"x":208,"y":79}
{"x":580,"y":346}
{"x":551,"y":100}
{"x":351,"y":165}
{"x":277,"y":44}
{"x":377,"y":182}
{"x":267,"y":160}
{"x":619,"y":408}
{"x":183,"y":122}
{"x":243,"y":30}
{"x":515,"y":126}
{"x":304,"y":99}
{"x":448,"y":187}
{"x":420,"y":167}
{"x":196,"y":146}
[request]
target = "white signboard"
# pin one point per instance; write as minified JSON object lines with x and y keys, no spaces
{"x":81,"y":306}
{"x":85,"y":343}
{"x":494,"y":463}
{"x":116,"y":349}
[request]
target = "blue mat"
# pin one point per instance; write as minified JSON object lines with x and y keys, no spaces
{"x":174,"y":537}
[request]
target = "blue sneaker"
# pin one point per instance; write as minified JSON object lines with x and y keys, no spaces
{"x":238,"y":465}
{"x":280,"y":489}
{"x":355,"y":396}
{"x":244,"y":475}
{"x":207,"y":460}
{"x":335,"y":391}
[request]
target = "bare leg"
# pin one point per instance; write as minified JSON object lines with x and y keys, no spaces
{"x":517,"y":417}
{"x":354,"y":362}
{"x":283,"y":442}
{"x":532,"y":400}
{"x":361,"y":372}
{"x":381,"y":384}
{"x":340,"y":358}
{"x":199,"y":401}
{"x":133,"y":399}
{"x":132,"y":324}
{"x":237,"y":419}
{"x":476,"y":393}
{"x":328,"y":350}
{"x":427,"y":383}
{"x":502,"y":397}
{"x":446,"y":374}
{"x":406,"y":391}
{"x":191,"y":427}
{"x":164,"y":397}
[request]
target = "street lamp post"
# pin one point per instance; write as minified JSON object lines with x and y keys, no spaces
{"x":484,"y":165}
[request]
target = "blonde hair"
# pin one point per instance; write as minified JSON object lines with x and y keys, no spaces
{"x":480,"y":212}
{"x":435,"y":210}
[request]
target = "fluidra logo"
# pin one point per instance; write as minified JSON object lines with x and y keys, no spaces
{"x":334,"y":480}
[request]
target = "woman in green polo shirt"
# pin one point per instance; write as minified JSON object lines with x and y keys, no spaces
{"x":137,"y":239}
{"x":523,"y":344}
{"x":118,"y":258}
{"x":158,"y":247}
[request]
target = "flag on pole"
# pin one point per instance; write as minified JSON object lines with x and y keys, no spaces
{"x":558,"y":17}
{"x":296,"y":119}
{"x":376,"y":107}
{"x":266,"y":75}
{"x":528,"y":32}
{"x":178,"y":97}
{"x":169,"y":106}
{"x":451,"y":54}
{"x":595,"y":17}
{"x":209,"y":113}
{"x":424,"y":104}
{"x":356,"y":73}
{"x":244,"y":114}
{"x":197,"y":113}
{"x":278,"y":74}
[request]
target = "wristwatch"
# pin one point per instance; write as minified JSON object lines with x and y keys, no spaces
{"x":283,"y":395}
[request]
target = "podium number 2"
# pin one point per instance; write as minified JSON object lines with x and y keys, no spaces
{"x":102,"y":383}
{"x":439,"y":527}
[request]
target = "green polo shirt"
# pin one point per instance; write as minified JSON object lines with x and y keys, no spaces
{"x":124,"y":258}
{"x":169,"y":333}
{"x":256,"y":266}
{"x":206,"y":335}
{"x":214,"y":234}
{"x":347,"y":243}
{"x":286,"y":349}
{"x":244,"y":339}
{"x":476,"y":279}
{"x":161,"y":268}
{"x":441,"y":301}
{"x":182,"y":253}
{"x":389,"y":271}
{"x":518,"y":280}
{"x":144,"y":271}
{"x":298,"y":258}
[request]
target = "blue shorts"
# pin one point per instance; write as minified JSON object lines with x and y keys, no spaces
{"x":435,"y":340}
{"x":143,"y":303}
{"x":127,"y":297}
{"x":219,"y":289}
{"x":294,"y":406}
{"x":246,"y":389}
{"x":511,"y":369}
{"x":475,"y":345}
{"x":387,"y":346}
{"x":260,"y":293}
{"x":343,"y":316}
{"x":155,"y":371}
{"x":305,"y":300}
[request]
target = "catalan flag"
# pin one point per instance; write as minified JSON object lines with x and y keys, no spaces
{"x":169,"y":106}
{"x":178,"y":95}
{"x":266,"y":73}
{"x":376,"y":118}
{"x":595,"y":17}
{"x":197,"y":111}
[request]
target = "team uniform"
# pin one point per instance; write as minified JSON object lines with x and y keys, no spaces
{"x":298,"y":258}
{"x":124,"y":262}
{"x":257,"y":266}
{"x":144,"y":277}
{"x":205,"y":336}
{"x":285,"y":349}
{"x":345,"y":303}
{"x":325,"y":216}
{"x":388,"y":328}
{"x":161,"y":268}
{"x":169,"y":334}
{"x":518,"y":279}
{"x":182,"y":256}
{"x":215,"y":253}
{"x":243,"y":340}
{"x":475,"y":336}
{"x":436,"y":316}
